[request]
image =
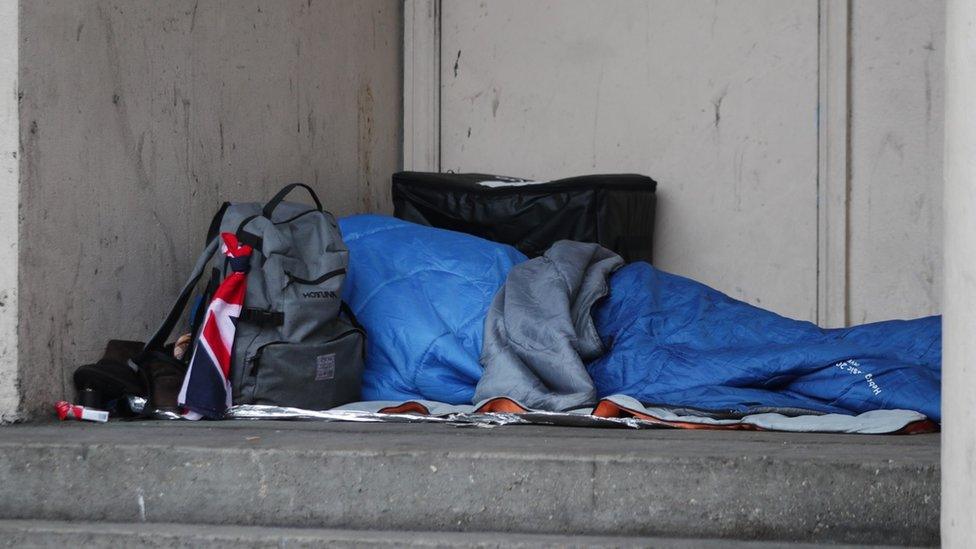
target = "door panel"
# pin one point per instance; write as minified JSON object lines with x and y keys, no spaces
{"x":715,"y":100}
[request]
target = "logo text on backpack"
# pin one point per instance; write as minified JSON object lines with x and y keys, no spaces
{"x":325,"y":367}
{"x":319,"y":294}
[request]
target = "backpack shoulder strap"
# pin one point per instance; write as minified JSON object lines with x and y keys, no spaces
{"x":159,"y":338}
{"x":214,"y":230}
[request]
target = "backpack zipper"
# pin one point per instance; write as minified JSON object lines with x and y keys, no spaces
{"x":314,"y":282}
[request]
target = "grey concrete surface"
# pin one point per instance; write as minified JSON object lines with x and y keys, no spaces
{"x":55,"y":534}
{"x":9,"y":191}
{"x":139,"y":117}
{"x":959,"y":374}
{"x":896,"y":126}
{"x":526,"y":479}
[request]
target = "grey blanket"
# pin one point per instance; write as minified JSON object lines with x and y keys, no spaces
{"x":539,"y":332}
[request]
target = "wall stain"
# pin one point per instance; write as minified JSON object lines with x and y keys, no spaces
{"x":891,"y":142}
{"x":929,"y":48}
{"x":714,"y":18}
{"x":310,"y":124}
{"x":178,"y":99}
{"x":30,"y":154}
{"x":166,"y":234}
{"x":717,"y":105}
{"x":472,"y":98}
{"x":123,"y":121}
{"x":364,"y":104}
{"x":596,"y":119}
{"x":738,"y":163}
{"x":140,"y":161}
{"x":193,"y":15}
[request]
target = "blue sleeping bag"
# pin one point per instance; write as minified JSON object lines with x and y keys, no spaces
{"x":423,"y":294}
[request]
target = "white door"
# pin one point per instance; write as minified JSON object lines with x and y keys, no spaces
{"x":717,"y":101}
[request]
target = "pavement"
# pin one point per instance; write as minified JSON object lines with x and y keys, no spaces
{"x":355,"y":481}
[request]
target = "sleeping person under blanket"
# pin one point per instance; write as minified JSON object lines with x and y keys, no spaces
{"x":424,"y":294}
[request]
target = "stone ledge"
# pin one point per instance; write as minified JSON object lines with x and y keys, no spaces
{"x":524,"y":479}
{"x":58,"y":534}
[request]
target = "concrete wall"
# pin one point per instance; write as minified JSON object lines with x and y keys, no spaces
{"x":959,"y":324}
{"x":718,"y":101}
{"x":139,"y":117}
{"x":9,"y":186}
{"x":897,"y":115}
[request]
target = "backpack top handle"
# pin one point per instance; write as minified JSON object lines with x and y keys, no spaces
{"x":269,"y":208}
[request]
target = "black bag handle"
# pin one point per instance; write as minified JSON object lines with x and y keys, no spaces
{"x":269,"y":208}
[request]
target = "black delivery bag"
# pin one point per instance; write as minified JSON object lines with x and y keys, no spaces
{"x":613,"y":210}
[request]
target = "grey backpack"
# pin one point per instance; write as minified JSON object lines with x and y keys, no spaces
{"x":296,"y":343}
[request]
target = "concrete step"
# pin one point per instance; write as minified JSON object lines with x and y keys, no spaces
{"x":60,"y":534}
{"x":516,"y":479}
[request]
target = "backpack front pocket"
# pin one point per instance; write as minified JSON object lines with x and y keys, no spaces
{"x":310,"y":376}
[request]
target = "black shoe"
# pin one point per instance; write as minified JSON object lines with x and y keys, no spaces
{"x":105,"y":384}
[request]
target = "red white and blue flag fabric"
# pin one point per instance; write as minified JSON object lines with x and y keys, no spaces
{"x":206,"y":391}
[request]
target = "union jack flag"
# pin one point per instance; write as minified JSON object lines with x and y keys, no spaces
{"x":206,"y":391}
